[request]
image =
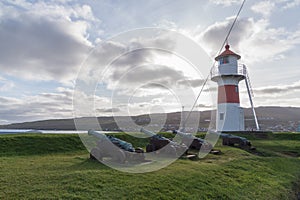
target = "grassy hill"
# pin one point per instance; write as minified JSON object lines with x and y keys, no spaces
{"x":287,"y":118}
{"x":36,"y":166}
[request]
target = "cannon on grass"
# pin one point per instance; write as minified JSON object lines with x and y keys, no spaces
{"x":232,"y":140}
{"x":163,"y":145}
{"x":118,"y":150}
{"x":194,"y":142}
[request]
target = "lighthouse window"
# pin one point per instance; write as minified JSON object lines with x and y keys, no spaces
{"x":224,"y":60}
{"x":221,"y":116}
{"x":236,"y":89}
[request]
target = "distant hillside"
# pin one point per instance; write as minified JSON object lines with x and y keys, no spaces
{"x":270,"y":118}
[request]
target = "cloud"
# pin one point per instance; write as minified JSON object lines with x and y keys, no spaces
{"x":110,"y":110}
{"x":191,"y":82}
{"x":112,"y":59}
{"x":53,"y":9}
{"x":50,"y":105}
{"x":45,"y":39}
{"x":204,"y":106}
{"x":5,"y":84}
{"x":285,"y":101}
{"x":10,"y":100}
{"x":151,"y":80}
{"x":213,"y":36}
{"x":159,"y":74}
{"x":278,"y":90}
{"x":131,"y":64}
{"x":285,"y":4}
{"x":226,"y":2}
{"x":263,"y":7}
{"x":29,"y":108}
{"x":292,"y":4}
{"x":255,"y":39}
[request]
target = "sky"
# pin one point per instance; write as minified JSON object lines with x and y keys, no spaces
{"x":52,"y":51}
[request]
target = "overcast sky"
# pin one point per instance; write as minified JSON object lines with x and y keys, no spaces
{"x":43,"y":44}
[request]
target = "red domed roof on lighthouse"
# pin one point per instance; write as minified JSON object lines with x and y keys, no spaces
{"x":227,"y":52}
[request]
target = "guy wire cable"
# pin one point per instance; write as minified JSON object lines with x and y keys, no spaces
{"x":225,"y":40}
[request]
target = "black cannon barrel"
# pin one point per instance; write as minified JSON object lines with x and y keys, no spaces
{"x":223,"y":135}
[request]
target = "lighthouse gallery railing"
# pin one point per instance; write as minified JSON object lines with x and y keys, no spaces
{"x":241,"y":70}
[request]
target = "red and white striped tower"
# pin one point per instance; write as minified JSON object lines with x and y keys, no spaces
{"x":228,"y":73}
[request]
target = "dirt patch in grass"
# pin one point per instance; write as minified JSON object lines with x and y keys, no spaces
{"x":291,"y":153}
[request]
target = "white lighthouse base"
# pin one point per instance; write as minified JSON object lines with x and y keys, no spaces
{"x":230,"y":117}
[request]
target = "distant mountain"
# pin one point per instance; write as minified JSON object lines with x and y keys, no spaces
{"x":270,"y":118}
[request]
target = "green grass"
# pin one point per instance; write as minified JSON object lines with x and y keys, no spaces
{"x":38,"y":144}
{"x":39,"y":166}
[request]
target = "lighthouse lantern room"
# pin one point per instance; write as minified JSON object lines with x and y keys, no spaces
{"x":228,"y":73}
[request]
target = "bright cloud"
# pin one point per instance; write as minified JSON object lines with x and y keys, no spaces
{"x":226,"y":2}
{"x":5,"y":84}
{"x":255,"y":38}
{"x":291,"y":4}
{"x":264,"y":7}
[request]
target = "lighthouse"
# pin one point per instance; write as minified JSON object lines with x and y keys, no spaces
{"x":227,"y":73}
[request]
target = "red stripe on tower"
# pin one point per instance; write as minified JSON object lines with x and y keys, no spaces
{"x":228,"y":94}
